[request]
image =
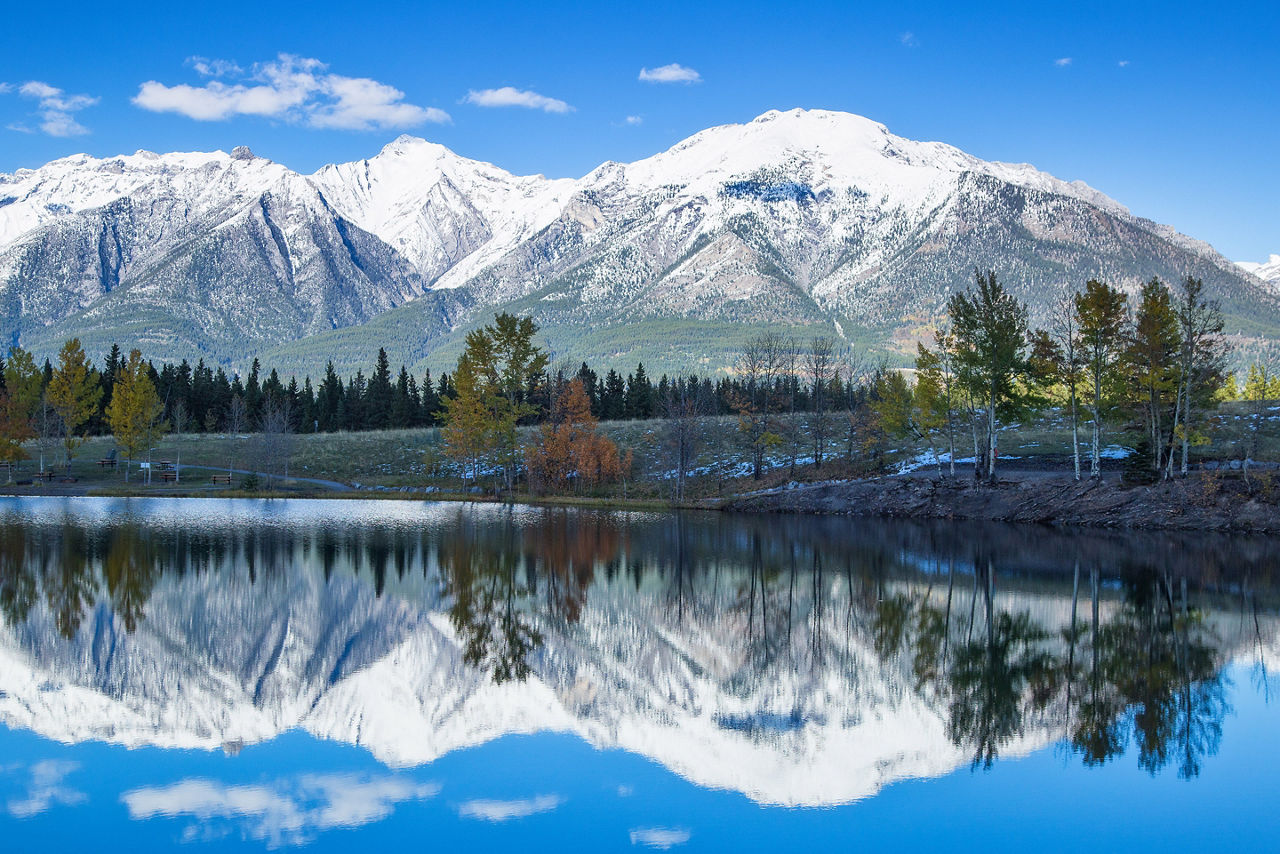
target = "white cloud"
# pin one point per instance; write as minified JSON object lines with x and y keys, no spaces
{"x":1063,"y":62}
{"x":659,"y":837}
{"x":363,"y":104}
{"x":292,"y":88}
{"x":214,"y":67}
{"x":509,"y":96}
{"x":1124,"y":63}
{"x":673,"y":73}
{"x":633,"y":120}
{"x":908,"y":39}
{"x":283,"y":813}
{"x":46,"y":789}
{"x":55,"y":110}
{"x":6,"y":88}
{"x":507,"y":810}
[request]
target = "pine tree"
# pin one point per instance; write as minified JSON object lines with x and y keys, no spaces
{"x":402,"y":407}
{"x":329,"y":400}
{"x":307,"y":406}
{"x":639,"y":394}
{"x":613,"y":397}
{"x":990,"y":328}
{"x":379,"y":394}
{"x":431,"y":404}
{"x":253,"y":393}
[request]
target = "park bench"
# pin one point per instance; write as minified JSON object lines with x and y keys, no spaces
{"x":108,"y":461}
{"x":221,"y":478}
{"x":46,"y":476}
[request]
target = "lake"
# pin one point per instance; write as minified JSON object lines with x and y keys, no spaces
{"x":356,"y":675}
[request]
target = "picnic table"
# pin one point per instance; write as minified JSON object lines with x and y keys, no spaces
{"x":107,"y":461}
{"x":169,"y":476}
{"x":221,"y":478}
{"x":43,"y":475}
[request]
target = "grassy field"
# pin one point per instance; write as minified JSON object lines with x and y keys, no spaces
{"x":396,"y":459}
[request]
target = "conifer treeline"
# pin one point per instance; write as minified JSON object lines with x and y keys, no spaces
{"x":210,"y":400}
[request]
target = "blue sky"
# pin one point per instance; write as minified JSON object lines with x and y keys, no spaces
{"x":1169,"y":108}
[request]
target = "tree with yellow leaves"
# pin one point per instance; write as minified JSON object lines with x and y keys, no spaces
{"x":470,"y":434}
{"x":135,"y":413}
{"x":74,"y":393}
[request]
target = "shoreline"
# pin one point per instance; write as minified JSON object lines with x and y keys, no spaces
{"x":1199,"y":502}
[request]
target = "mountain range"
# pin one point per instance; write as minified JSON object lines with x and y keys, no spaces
{"x":811,"y":221}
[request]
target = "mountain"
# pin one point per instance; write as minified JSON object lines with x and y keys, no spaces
{"x":1268,"y":271}
{"x":814,"y":221}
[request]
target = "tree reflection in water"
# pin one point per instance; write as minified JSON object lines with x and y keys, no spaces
{"x":1136,"y":666}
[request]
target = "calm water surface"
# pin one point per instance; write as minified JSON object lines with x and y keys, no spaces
{"x":230,"y":675}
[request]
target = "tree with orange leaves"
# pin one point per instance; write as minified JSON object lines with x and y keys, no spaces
{"x":568,"y":451}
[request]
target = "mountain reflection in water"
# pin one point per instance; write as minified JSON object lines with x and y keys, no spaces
{"x":800,"y":661}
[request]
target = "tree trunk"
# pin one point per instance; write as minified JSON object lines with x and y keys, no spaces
{"x":1095,"y":455}
{"x":991,"y":435}
{"x":1075,"y":430}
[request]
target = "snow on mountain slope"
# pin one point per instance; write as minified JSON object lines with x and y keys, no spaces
{"x":1268,"y":271}
{"x":796,"y":217}
{"x":845,"y":150}
{"x":30,"y":198}
{"x":435,"y":207}
{"x":804,"y":215}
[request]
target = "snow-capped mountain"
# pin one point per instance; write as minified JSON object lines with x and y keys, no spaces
{"x":1268,"y":271}
{"x":211,"y":253}
{"x":437,"y":209}
{"x":809,"y":215}
{"x":801,"y":218}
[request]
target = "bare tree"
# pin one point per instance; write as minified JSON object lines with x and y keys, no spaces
{"x":1201,"y":362}
{"x":237,"y":414}
{"x":683,"y":408}
{"x":276,"y":437}
{"x":857,"y":371}
{"x":1066,"y":334}
{"x":760,"y":370}
{"x":787,"y":398}
{"x":179,"y":421}
{"x":820,"y":361}
{"x":48,"y":428}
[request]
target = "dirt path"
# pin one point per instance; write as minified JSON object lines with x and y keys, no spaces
{"x":327,"y":484}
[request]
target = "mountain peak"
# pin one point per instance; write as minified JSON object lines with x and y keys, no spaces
{"x":1268,"y":271}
